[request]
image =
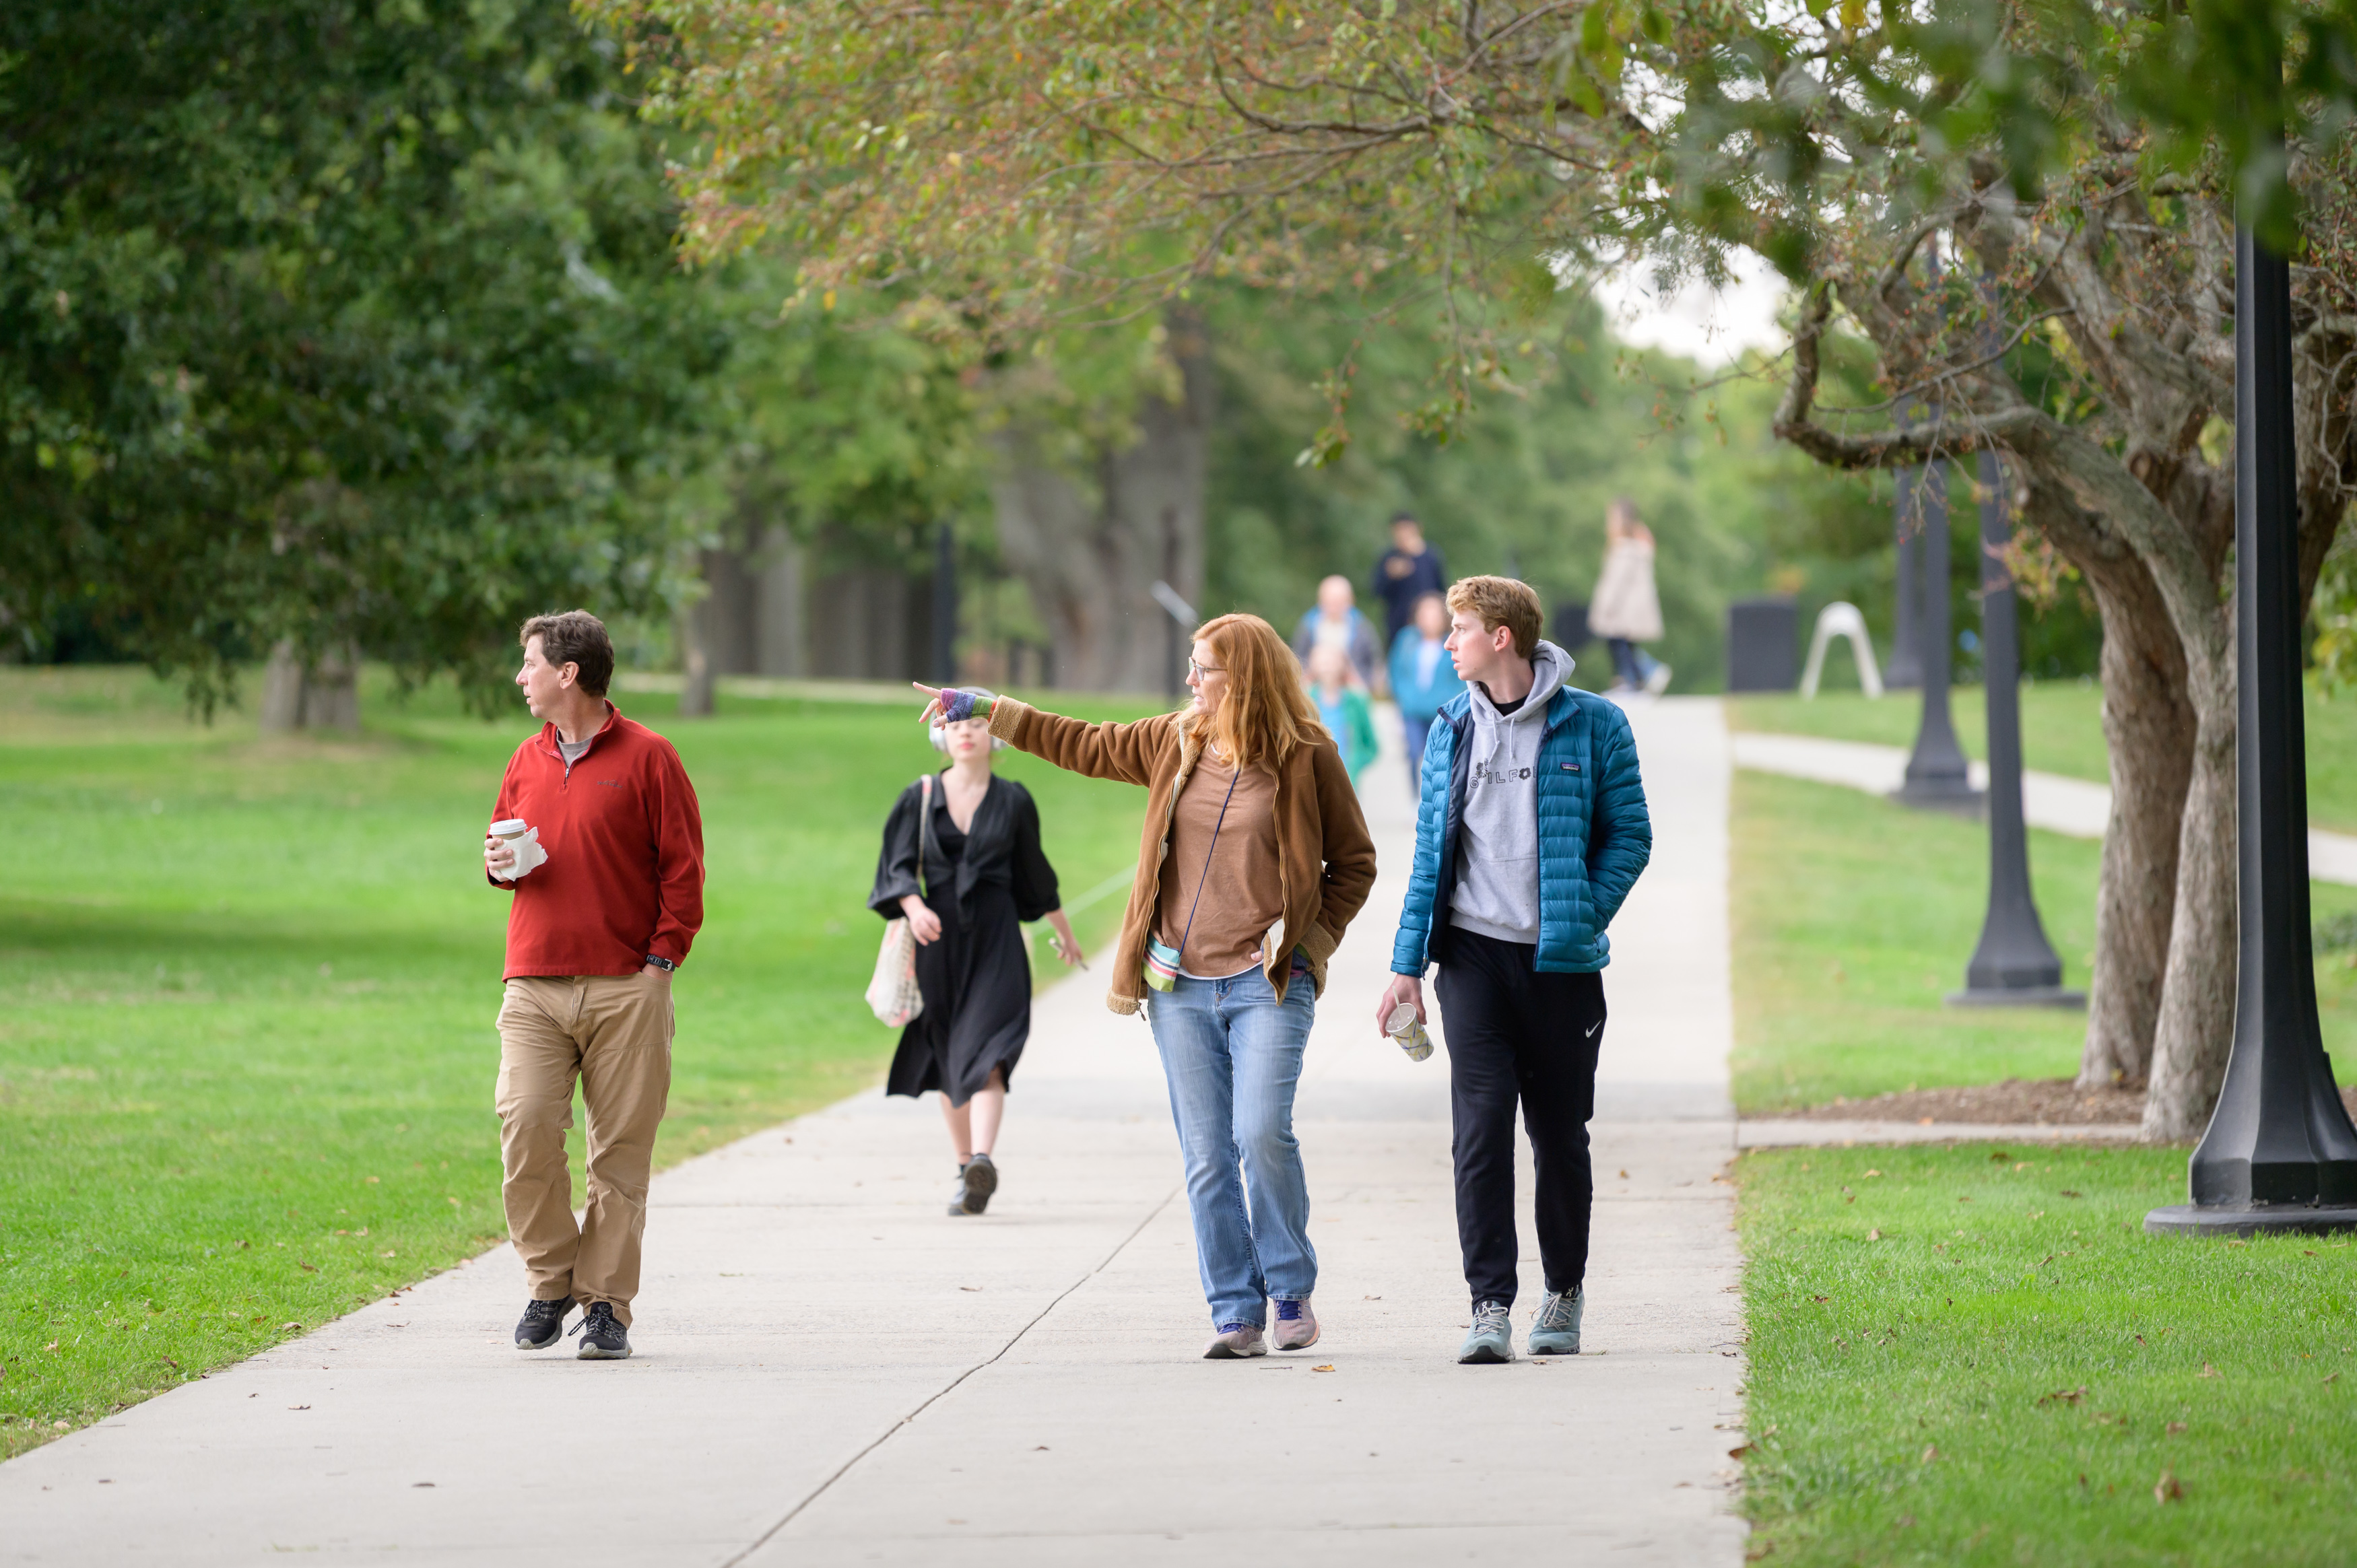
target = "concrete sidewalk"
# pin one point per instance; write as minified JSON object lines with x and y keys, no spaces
{"x":830,"y":1370}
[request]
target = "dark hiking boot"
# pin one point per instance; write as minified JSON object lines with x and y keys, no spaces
{"x":543,"y":1323}
{"x":981,"y":1179}
{"x":603,"y":1337}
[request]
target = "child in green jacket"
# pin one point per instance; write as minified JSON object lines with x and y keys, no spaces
{"x":1341,"y":700}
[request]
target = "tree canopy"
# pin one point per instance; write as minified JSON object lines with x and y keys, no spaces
{"x":338,"y":322}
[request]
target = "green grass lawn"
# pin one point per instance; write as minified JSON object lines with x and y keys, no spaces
{"x":2062,"y":731}
{"x":1853,"y":916}
{"x":247,"y":990}
{"x":1974,"y":1354}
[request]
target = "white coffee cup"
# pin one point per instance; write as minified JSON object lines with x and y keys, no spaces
{"x":525,"y":840}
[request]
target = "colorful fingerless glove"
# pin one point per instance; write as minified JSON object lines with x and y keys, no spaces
{"x":959,"y":706}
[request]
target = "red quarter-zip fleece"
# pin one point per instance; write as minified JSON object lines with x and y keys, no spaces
{"x":625,"y":841}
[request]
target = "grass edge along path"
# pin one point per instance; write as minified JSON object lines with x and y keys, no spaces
{"x":1971,"y":1354}
{"x":246,"y":1055}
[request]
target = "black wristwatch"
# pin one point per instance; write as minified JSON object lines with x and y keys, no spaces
{"x":660,"y":962}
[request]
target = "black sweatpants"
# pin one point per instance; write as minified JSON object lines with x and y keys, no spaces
{"x":1517,"y":1035}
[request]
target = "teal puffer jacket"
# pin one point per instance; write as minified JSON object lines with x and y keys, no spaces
{"x":1594,"y":835}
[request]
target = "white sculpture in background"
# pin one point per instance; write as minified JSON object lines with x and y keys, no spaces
{"x":1840,"y":620}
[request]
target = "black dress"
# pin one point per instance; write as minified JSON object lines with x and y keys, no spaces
{"x":975,"y":977}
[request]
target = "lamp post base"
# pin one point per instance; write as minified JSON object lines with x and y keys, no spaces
{"x":2261,"y":1220}
{"x":1957,"y":800}
{"x":2017,"y":997}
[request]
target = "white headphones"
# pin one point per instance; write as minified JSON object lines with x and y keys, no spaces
{"x":940,"y":742}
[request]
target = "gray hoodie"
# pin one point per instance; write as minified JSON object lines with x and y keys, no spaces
{"x":1498,"y":852}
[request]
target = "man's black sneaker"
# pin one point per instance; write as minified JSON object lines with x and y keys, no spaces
{"x":981,"y":1180}
{"x":603,"y":1338}
{"x":543,"y":1323}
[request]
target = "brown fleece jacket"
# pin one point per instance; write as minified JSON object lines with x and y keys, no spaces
{"x":1324,"y":855}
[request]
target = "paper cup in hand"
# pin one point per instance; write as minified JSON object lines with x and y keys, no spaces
{"x":525,"y":840}
{"x":1403,"y":1027}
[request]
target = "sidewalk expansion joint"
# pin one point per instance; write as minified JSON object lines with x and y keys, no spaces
{"x":952,"y":1386}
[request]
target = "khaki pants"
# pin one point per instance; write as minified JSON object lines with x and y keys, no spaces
{"x":613,"y":1032}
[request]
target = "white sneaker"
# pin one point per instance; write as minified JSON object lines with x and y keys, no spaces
{"x":1235,"y":1341}
{"x":1659,"y":681}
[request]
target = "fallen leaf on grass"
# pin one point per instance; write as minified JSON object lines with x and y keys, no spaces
{"x":1874,"y":1173}
{"x":1821,"y":1298}
{"x":2064,"y":1396}
{"x":2165,"y":1490}
{"x":2068,"y":1193}
{"x":1874,"y":1235}
{"x":1999,"y":1156}
{"x":2207,"y":1371}
{"x":2333,"y":1378}
{"x":2174,"y":1427}
{"x":1740,"y":1452}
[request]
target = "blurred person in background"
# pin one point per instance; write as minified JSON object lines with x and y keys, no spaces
{"x":975,"y":838}
{"x":1336,"y":622}
{"x":1424,"y":677}
{"x":1404,"y":574}
{"x":1626,"y":610}
{"x":1252,"y":859}
{"x":1343,"y":708}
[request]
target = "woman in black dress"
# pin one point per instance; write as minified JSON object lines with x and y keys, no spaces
{"x":978,"y":839}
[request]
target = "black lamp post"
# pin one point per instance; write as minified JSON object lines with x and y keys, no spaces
{"x":1905,"y":670}
{"x":1936,"y":773}
{"x":2015,"y":965}
{"x":2280,"y":1153}
{"x":945,"y":606}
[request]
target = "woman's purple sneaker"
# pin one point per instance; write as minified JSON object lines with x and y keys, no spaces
{"x":1234,"y":1341}
{"x":1297,"y":1326}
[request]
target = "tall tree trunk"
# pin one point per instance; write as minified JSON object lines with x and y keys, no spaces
{"x":321,"y":692}
{"x":2149,"y":729}
{"x":697,"y":670}
{"x":2196,"y":1028}
{"x":1091,"y":545}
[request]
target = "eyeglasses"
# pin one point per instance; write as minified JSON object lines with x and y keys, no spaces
{"x":1202,"y":670}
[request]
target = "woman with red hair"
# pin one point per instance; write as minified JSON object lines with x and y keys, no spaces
{"x":1253,"y":860}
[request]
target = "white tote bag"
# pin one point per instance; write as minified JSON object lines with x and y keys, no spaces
{"x":892,"y":993}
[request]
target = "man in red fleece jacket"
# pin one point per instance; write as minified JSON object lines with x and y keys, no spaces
{"x":593,"y":937}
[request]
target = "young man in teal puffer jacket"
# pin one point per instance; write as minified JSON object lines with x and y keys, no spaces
{"x":1530,"y":834}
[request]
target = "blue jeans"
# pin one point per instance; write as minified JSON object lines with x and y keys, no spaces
{"x":1233,"y":1054}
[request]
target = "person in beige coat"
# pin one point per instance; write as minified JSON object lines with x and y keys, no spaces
{"x":1626,"y":610}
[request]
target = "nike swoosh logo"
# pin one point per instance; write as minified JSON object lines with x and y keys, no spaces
{"x":1591,"y":1030}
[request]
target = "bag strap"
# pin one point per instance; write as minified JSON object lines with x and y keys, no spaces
{"x":924,"y":830}
{"x":1180,"y":963}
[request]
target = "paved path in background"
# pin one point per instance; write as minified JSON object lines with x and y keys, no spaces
{"x":832,"y":1371}
{"x":2072,"y":807}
